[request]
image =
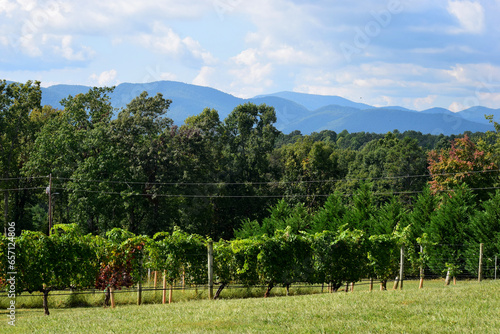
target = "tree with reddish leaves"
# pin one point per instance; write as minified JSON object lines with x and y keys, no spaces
{"x":121,"y":260}
{"x":464,"y":163}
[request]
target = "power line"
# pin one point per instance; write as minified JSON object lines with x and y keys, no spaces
{"x":272,"y":182}
{"x":28,"y":178}
{"x":20,"y":189}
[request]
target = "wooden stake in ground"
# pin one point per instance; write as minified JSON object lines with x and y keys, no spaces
{"x":480,"y":269}
{"x":112,"y":296}
{"x":210,"y":247}
{"x":496,"y":266}
{"x":371,"y":284}
{"x":421,"y":284}
{"x":164,"y":291}
{"x":396,"y":283}
{"x":402,"y":266}
{"x":139,"y":293}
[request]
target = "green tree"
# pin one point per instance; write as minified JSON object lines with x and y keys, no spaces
{"x":65,"y":259}
{"x":339,"y":257}
{"x":447,"y":231}
{"x":17,"y":102}
{"x":285,"y":258}
{"x":70,"y":142}
{"x":330,"y":217}
{"x":484,"y":228}
{"x":248,"y":137}
{"x":387,"y":161}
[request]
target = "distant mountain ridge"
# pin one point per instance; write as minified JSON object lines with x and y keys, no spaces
{"x":295,"y":111}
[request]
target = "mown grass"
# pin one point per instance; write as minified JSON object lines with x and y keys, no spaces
{"x":465,"y":308}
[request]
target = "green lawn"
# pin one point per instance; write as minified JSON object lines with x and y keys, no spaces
{"x":465,"y":308}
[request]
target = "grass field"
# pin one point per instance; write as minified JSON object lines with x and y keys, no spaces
{"x":468,"y":307}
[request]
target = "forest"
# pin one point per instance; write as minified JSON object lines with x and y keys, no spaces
{"x":100,"y":168}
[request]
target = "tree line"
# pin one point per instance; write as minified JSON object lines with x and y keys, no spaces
{"x":134,"y":169}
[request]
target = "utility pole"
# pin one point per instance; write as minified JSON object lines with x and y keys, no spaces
{"x":49,"y":192}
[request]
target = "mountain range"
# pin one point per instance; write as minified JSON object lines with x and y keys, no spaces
{"x":295,"y":111}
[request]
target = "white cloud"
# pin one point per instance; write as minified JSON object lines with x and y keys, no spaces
{"x":423,"y":103}
{"x":28,"y":44}
{"x":7,"y":7}
{"x":250,"y":76}
{"x":164,"y":40}
{"x":106,"y":78}
{"x":456,"y":107}
{"x":197,"y":51}
{"x":67,"y":52}
{"x":204,"y":77}
{"x":470,"y":15}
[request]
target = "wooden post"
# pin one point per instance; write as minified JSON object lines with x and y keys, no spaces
{"x":183,"y":280}
{"x":402,"y":267}
{"x":396,"y":283}
{"x":139,"y":293}
{"x":496,"y":266}
{"x":112,"y":296}
{"x":352,"y":286}
{"x":164,"y":292}
{"x":210,"y":269}
{"x":371,"y":284}
{"x":421,"y":284}
{"x":480,"y":270}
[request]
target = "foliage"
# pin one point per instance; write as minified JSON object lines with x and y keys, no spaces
{"x":17,"y":132}
{"x":463,"y":163}
{"x":179,"y":253}
{"x":285,"y":258}
{"x":448,"y":230}
{"x":383,"y":257}
{"x":339,"y":256}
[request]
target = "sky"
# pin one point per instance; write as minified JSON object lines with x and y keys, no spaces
{"x":412,"y":53}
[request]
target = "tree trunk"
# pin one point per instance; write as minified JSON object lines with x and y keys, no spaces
{"x":45,"y":301}
{"x":383,"y":285}
{"x":447,"y":280}
{"x":108,"y":296}
{"x":336,"y":286}
{"x":287,"y":286}
{"x":219,"y":290}
{"x":268,"y":291}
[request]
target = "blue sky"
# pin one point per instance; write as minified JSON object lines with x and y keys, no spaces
{"x":412,"y":53}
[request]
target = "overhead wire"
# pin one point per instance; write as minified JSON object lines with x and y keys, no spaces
{"x":273,"y":183}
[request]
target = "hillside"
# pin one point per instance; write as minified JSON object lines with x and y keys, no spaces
{"x":295,"y":111}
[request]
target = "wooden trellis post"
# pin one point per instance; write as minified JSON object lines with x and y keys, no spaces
{"x":210,"y":247}
{"x":480,"y":270}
